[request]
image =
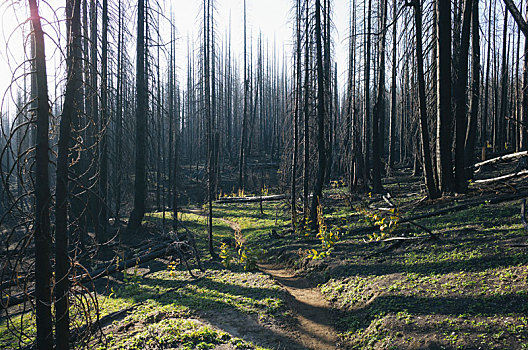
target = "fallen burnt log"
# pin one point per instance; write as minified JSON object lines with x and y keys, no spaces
{"x":501,"y":178}
{"x":500,"y":159}
{"x":161,"y":250}
{"x":452,"y":209}
{"x":275,"y":197}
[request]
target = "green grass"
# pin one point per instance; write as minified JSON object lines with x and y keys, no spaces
{"x":167,"y":302}
{"x":467,"y":290}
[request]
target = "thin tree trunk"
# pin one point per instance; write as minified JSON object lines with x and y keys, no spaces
{"x":392,"y":121}
{"x":296,"y":117}
{"x":92,"y":129}
{"x":461,"y":101}
{"x":318,"y":188}
{"x":102,"y":221}
{"x":42,"y":192}
{"x":306,"y":177}
{"x":141,"y":124}
{"x":524,"y":108}
{"x":367,"y":115}
{"x":379,"y":108}
{"x":424,"y":129}
{"x":501,"y":116}
{"x":68,"y":118}
{"x":475,"y":92}
{"x":444,"y":117}
{"x":119,"y":118}
{"x":484,"y":121}
{"x":241,"y":164}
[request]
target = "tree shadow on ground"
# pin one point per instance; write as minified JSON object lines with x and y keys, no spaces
{"x":238,"y":310}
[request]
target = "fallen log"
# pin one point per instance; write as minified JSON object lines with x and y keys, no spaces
{"x":275,"y":197}
{"x":459,"y":207}
{"x":396,"y":242}
{"x":13,"y":300}
{"x":500,"y":159}
{"x":500,"y":178}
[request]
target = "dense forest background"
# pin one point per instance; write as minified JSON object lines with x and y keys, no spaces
{"x":116,"y":126}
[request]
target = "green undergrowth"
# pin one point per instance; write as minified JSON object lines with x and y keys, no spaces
{"x":184,"y":334}
{"x":171,"y":308}
{"x":468,"y":289}
{"x":168,"y":308}
{"x":255,"y":224}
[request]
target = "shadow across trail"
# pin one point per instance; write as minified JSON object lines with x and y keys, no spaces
{"x":313,"y":313}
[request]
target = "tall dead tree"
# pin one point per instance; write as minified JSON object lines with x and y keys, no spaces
{"x":93,"y":125}
{"x":241,"y":161}
{"x":523,"y":26}
{"x":471,"y":135}
{"x":432,"y":190}
{"x":500,"y":118}
{"x":318,"y":188}
{"x":379,"y":108}
{"x":367,"y":115}
{"x":297,"y":89}
{"x":68,"y":119}
{"x":42,"y":191}
{"x":306,"y":113}
{"x":484,"y":121}
{"x":444,"y":114}
{"x":461,"y":101}
{"x":140,"y":185}
{"x":102,"y":217}
{"x":393,"y":110}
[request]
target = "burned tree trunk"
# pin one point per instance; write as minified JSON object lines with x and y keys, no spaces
{"x":140,"y":185}
{"x":42,"y":192}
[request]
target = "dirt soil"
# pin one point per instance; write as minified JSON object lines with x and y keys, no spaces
{"x":314,"y":316}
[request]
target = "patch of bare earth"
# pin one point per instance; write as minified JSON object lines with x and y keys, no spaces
{"x":314,"y":316}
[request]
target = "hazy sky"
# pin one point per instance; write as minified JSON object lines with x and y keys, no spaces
{"x":272,"y":17}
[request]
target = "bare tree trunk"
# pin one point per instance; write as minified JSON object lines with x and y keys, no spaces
{"x":93,"y":125}
{"x":461,"y":101}
{"x":367,"y":115}
{"x":241,"y":165}
{"x":444,"y":118}
{"x":102,"y":220}
{"x":475,"y":92}
{"x":141,"y":124}
{"x":210,"y":138}
{"x":500,"y":127}
{"x":484,"y":121}
{"x":42,"y":192}
{"x":119,"y":118}
{"x":524,"y":108}
{"x":424,"y":129}
{"x":393,"y":114}
{"x":379,"y":108}
{"x":68,"y":118}
{"x":296,"y":116}
{"x":306,"y":112}
{"x":318,"y":188}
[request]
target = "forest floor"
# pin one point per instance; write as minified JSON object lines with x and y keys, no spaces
{"x":465,"y":289}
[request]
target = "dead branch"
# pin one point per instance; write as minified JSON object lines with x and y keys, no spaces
{"x":157,"y":252}
{"x":276,"y":197}
{"x":501,"y":178}
{"x":500,"y":159}
{"x":459,"y":207}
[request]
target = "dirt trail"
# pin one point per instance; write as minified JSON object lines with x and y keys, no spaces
{"x":312,"y":312}
{"x":315,"y":319}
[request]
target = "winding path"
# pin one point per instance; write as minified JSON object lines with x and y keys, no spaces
{"x":312,"y":312}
